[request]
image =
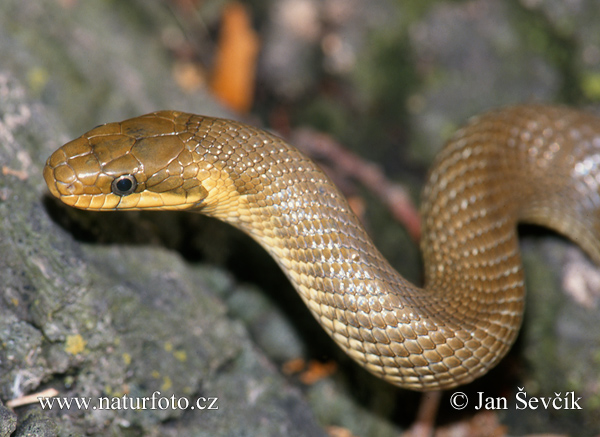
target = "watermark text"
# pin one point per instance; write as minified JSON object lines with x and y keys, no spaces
{"x":521,"y":401}
{"x":125,"y":402}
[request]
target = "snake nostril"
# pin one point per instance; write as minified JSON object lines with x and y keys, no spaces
{"x":124,"y":185}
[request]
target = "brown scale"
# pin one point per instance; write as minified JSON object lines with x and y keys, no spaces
{"x":537,"y":164}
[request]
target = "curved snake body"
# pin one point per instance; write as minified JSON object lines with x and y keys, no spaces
{"x":537,"y":164}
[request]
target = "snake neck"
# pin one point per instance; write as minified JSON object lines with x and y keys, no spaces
{"x":469,"y":313}
{"x":297,"y":214}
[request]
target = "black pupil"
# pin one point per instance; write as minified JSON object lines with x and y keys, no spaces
{"x":124,"y":185}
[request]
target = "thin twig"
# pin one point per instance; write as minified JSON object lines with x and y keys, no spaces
{"x":32,"y":398}
{"x":393,"y":195}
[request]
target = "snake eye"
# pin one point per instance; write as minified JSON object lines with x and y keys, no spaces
{"x":123,"y":185}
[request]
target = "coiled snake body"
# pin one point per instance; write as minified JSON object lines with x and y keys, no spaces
{"x":537,"y":164}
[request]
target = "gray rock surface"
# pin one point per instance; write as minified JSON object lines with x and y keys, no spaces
{"x":98,"y":320}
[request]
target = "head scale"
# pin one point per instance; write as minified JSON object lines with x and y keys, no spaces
{"x":141,"y":163}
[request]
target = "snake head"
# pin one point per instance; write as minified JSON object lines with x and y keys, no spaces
{"x":141,"y":163}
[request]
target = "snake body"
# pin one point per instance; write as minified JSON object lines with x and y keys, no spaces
{"x":538,"y":164}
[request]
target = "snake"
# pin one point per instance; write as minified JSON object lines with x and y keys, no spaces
{"x":529,"y":163}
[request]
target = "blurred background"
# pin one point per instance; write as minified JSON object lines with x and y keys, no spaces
{"x":371,"y":89}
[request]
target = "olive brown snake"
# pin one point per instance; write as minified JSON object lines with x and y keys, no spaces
{"x":533,"y":163}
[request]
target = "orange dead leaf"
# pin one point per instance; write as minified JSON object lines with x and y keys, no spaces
{"x":338,"y":431}
{"x":294,"y":366}
{"x":317,"y":371}
{"x":235,"y":65}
